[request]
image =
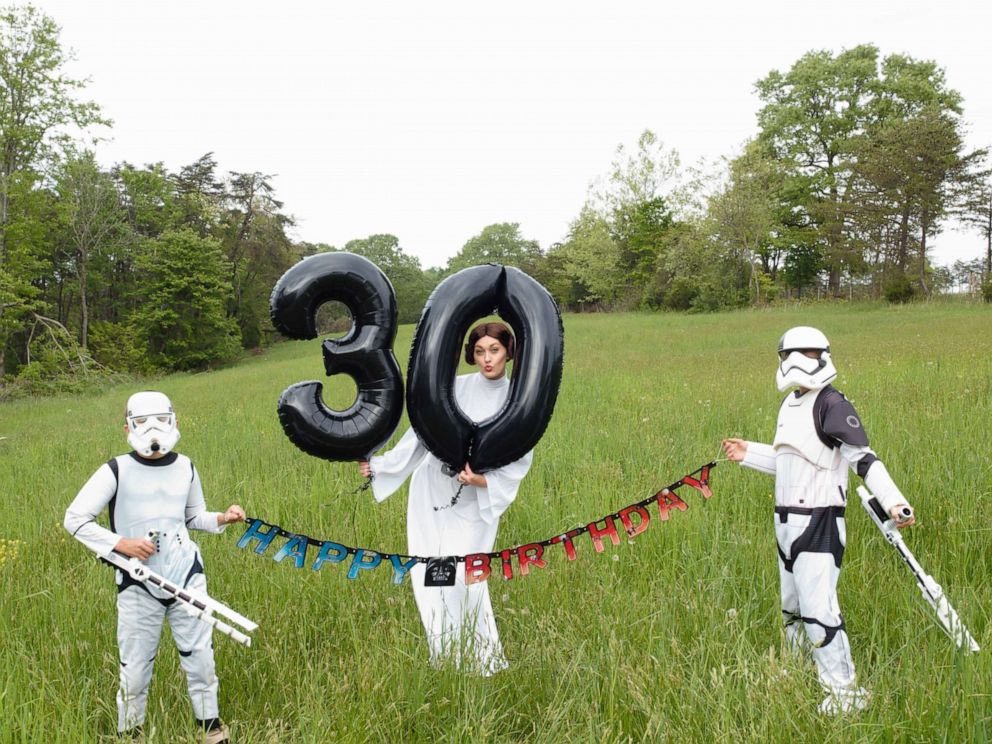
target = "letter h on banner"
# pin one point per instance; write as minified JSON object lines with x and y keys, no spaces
{"x":254,"y":532}
{"x":597,"y":535}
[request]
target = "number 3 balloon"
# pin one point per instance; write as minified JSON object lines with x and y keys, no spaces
{"x":365,"y":353}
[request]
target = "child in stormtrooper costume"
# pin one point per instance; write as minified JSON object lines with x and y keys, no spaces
{"x":819,"y":436}
{"x":154,"y":498}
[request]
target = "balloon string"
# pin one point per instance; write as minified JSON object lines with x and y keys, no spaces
{"x":454,"y":499}
{"x":364,"y":487}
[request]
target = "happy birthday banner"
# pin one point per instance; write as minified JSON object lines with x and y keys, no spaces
{"x":441,"y":570}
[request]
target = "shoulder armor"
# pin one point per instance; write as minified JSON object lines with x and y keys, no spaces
{"x":836,"y":420}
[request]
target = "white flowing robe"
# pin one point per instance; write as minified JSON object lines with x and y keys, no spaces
{"x":458,"y":619}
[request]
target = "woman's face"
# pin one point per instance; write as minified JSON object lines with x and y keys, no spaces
{"x":490,"y":355}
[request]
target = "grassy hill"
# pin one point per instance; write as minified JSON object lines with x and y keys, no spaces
{"x":674,"y":637}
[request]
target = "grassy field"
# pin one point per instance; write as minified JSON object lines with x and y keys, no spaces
{"x":673,"y":638}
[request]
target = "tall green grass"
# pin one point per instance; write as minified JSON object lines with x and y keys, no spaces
{"x":673,"y":638}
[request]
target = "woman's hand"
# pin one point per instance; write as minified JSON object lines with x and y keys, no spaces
{"x":234,"y":513}
{"x":469,"y":478}
{"x":735,"y":449}
{"x":136,"y":547}
{"x":364,"y":468}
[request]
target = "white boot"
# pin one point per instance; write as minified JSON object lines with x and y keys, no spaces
{"x":845,"y":701}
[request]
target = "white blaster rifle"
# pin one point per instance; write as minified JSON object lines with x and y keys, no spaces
{"x":930,"y":589}
{"x":197,"y":604}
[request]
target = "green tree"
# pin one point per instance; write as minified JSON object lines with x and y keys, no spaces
{"x":640,"y":231}
{"x":802,"y":267}
{"x":150,"y":205}
{"x":556,"y":279}
{"x":914,"y":171}
{"x":810,"y":118}
{"x":92,"y":221}
{"x":181,"y":321}
{"x":689,"y":272}
{"x":745,"y":217}
{"x":149,"y":197}
{"x":591,"y":260}
{"x":652,"y":171}
{"x":256,"y":245}
{"x":411,"y":284}
{"x":500,"y":243}
{"x":38,"y":107}
{"x":909,"y":86}
{"x":851,"y":132}
{"x":976,"y":211}
{"x":637,"y":200}
{"x":26,"y":264}
{"x":200,"y":194}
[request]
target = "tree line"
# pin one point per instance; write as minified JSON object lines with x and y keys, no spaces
{"x":859,"y":162}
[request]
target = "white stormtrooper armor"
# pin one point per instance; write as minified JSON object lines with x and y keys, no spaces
{"x":159,"y":499}
{"x":158,"y":515}
{"x":818,"y":437}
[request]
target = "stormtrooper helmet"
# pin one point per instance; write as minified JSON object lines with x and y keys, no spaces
{"x":151,"y":424}
{"x":795,"y":368}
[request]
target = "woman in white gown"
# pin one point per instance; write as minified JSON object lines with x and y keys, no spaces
{"x":458,"y":619}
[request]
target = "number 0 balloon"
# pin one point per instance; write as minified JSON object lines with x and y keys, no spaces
{"x":365,"y":353}
{"x":454,"y":306}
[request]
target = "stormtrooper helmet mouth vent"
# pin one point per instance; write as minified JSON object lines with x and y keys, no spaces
{"x":151,"y":424}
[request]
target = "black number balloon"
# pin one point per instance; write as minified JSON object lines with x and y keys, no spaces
{"x":452,"y":308}
{"x":365,"y":353}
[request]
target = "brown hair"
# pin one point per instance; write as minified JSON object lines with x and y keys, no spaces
{"x":498,"y":331}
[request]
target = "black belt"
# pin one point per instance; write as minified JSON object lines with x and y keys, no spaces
{"x":784,"y":511}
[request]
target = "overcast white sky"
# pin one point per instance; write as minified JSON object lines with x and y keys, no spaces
{"x":432,"y":120}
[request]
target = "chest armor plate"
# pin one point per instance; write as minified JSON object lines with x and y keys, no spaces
{"x":151,"y":503}
{"x":797,"y":430}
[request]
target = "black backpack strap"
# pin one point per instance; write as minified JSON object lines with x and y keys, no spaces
{"x":115,"y":469}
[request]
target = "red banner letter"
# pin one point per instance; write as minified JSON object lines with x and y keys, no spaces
{"x":507,"y":565}
{"x":597,"y":534}
{"x":703,"y":484}
{"x":566,"y":540}
{"x":628,"y":524}
{"x":668,"y":501}
{"x":476,"y":568}
{"x":525,"y":560}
